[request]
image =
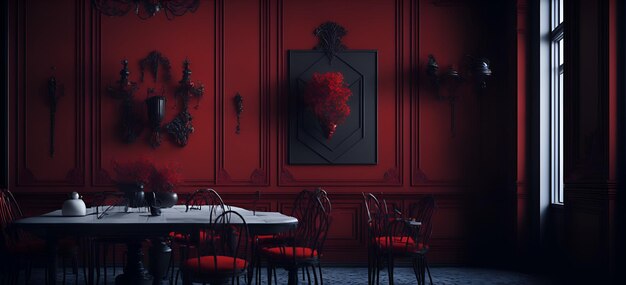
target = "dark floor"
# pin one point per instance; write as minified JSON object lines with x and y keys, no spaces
{"x":358,"y":275}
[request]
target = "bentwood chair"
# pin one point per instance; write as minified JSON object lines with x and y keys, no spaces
{"x":199,"y":199}
{"x":423,"y":211}
{"x":102,"y":247}
{"x":377,"y":221}
{"x":18,"y":249}
{"x":406,"y":238}
{"x":302,"y":247}
{"x":222,"y":255}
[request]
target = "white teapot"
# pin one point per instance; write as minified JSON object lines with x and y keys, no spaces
{"x":74,"y":206}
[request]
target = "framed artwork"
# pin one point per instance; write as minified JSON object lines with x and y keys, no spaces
{"x":351,"y":141}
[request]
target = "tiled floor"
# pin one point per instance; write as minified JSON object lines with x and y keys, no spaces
{"x":403,"y":276}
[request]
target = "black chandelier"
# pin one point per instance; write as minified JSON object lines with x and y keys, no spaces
{"x":145,"y":9}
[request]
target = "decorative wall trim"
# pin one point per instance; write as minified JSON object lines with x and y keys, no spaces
{"x":100,"y":177}
{"x":417,"y":175}
{"x":22,"y":100}
{"x":4,"y":90}
{"x":223,"y":100}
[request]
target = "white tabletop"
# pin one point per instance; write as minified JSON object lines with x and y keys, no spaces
{"x":139,"y":219}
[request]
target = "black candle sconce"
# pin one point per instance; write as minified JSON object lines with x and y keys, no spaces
{"x":130,"y":123}
{"x":239,"y":109}
{"x":152,"y":63}
{"x":181,"y":127}
{"x":156,"y":114}
{"x":479,"y":71}
{"x":53,"y":99}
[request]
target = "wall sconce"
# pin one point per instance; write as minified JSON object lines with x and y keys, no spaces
{"x":53,"y":99}
{"x":130,"y":123}
{"x":478,"y":68}
{"x":156,"y":113}
{"x":481,"y":71}
{"x":181,"y":127}
{"x":172,"y":8}
{"x":239,"y":109}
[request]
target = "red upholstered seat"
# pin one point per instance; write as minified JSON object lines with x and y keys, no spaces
{"x":287,"y":252}
{"x":206,"y":265}
{"x":180,"y":237}
{"x":262,"y":238}
{"x":400,"y":244}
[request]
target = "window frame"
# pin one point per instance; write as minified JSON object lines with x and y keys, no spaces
{"x":557,"y":63}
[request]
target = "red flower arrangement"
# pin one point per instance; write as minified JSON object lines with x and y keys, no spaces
{"x":162,"y":179}
{"x":327,"y":95}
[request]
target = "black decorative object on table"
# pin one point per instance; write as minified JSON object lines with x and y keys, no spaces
{"x":152,"y":63}
{"x":134,"y":195}
{"x":156,"y":113}
{"x":181,"y":127}
{"x":130,"y":123}
{"x":239,"y":109}
{"x":53,"y":98}
{"x":329,"y":36}
{"x":172,"y":8}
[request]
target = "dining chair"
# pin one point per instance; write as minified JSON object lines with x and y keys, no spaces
{"x":302,"y":248}
{"x":222,"y":256}
{"x":377,"y":221}
{"x":406,"y":237}
{"x":19,"y":249}
{"x":423,"y":211}
{"x":298,"y":210}
{"x":206,"y":198}
{"x":101,"y":247}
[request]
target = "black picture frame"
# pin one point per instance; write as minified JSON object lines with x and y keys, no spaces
{"x":355,"y":141}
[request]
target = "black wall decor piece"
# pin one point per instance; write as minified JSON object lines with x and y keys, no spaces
{"x":156,"y":112}
{"x":355,"y":140}
{"x":52,"y":98}
{"x":144,"y":9}
{"x":152,"y":63}
{"x":329,"y":37}
{"x":130,"y":123}
{"x":239,"y":109}
{"x":181,"y":127}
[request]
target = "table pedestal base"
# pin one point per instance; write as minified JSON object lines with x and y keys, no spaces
{"x":134,"y":272}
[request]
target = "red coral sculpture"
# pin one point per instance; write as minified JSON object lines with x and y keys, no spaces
{"x":327,"y":95}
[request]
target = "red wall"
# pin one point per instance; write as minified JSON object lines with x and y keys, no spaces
{"x":241,"y":46}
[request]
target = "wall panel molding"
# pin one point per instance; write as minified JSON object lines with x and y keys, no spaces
{"x":393,"y":175}
{"x":24,"y":175}
{"x":260,"y":175}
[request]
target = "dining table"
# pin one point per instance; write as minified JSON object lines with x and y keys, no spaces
{"x":134,"y":226}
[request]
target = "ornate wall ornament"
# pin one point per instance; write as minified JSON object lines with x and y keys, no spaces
{"x":145,"y":9}
{"x":53,"y":99}
{"x":130,"y":123}
{"x":329,"y":36}
{"x":239,"y":109}
{"x":152,"y":62}
{"x":181,"y":127}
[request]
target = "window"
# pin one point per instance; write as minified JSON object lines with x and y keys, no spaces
{"x":557,"y":61}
